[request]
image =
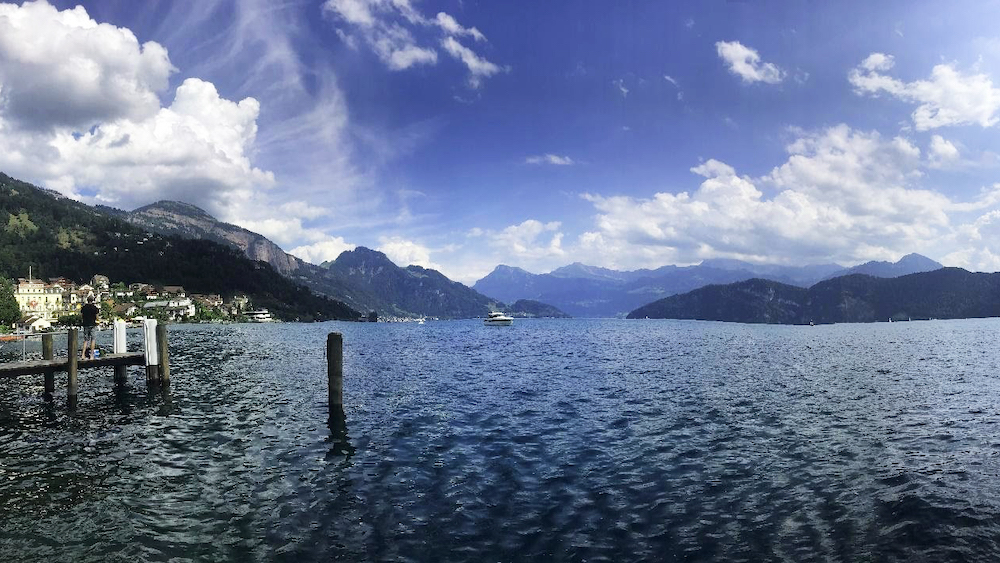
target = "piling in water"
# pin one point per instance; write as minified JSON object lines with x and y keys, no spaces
{"x":164,"y":350}
{"x":335,"y":372}
{"x":50,"y":375}
{"x":71,"y":361}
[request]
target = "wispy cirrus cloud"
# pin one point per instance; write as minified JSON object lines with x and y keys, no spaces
{"x":547,"y":158}
{"x":397,"y":33}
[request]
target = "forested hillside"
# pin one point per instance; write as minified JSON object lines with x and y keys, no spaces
{"x":56,"y":236}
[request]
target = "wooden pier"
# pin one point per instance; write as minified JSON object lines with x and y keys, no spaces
{"x":155,"y":357}
{"x":36,"y":367}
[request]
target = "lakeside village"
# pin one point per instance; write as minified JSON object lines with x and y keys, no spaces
{"x":43,"y":304}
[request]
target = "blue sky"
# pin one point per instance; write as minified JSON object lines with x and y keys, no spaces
{"x":460,"y":135}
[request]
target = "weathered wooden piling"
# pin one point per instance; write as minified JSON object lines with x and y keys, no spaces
{"x":50,"y":375}
{"x":71,"y":364}
{"x":164,"y":351}
{"x":335,"y":372}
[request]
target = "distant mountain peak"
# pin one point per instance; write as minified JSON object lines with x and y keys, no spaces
{"x":363,"y":253}
{"x":178,"y":207}
{"x":919,"y":259}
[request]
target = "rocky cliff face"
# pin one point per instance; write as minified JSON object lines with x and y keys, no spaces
{"x":188,"y":221}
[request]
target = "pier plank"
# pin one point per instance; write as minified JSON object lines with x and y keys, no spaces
{"x":33,"y":367}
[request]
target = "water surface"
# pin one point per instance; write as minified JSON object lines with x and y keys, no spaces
{"x":561,"y":440}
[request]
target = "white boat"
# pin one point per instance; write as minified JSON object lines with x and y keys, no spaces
{"x":499,"y":319}
{"x":259,"y":316}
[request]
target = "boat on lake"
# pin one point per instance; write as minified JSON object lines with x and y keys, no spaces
{"x":499,"y":319}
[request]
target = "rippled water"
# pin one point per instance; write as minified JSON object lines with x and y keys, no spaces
{"x":548,"y":440}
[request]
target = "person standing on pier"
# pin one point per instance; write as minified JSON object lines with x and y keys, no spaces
{"x":89,"y":313}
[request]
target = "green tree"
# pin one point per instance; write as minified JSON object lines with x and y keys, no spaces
{"x":9,"y":311}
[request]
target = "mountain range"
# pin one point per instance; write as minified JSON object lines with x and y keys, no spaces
{"x":589,"y":291}
{"x":363,"y":278}
{"x":945,"y":293}
{"x":367,"y":280}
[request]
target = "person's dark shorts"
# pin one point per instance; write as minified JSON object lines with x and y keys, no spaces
{"x":88,"y":333}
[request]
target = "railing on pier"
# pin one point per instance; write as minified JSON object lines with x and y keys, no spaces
{"x":155,"y":357}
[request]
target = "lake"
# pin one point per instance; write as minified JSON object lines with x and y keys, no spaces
{"x":550,"y":440}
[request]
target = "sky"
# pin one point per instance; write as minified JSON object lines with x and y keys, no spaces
{"x":459,"y":135}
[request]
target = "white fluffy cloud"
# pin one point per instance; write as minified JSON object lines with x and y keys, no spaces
{"x":842,"y":195}
{"x":947,"y":98}
{"x":404,"y":252}
{"x":390,"y":29}
{"x":63,"y":69}
{"x":195,"y":150}
{"x":942,"y":152}
{"x":745,"y":63}
{"x":80,"y":114}
{"x":529,"y":240}
{"x":553,"y":159}
{"x":322,"y":251}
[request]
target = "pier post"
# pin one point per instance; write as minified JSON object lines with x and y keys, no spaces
{"x":120,"y":347}
{"x":152,"y":357}
{"x":71,"y":362}
{"x":164,"y":349}
{"x":50,"y":375}
{"x":335,"y":373}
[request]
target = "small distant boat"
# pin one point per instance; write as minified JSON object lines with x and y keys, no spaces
{"x":498,"y":319}
{"x":420,"y":321}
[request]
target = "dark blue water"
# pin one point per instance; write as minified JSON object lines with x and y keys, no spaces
{"x":579,"y":440}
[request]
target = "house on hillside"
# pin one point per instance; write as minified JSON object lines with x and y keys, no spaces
{"x":174,"y":309}
{"x":173,"y":291}
{"x":33,"y":323}
{"x":139,"y":287}
{"x":239,"y":304}
{"x":100,"y":283}
{"x":211,"y":301}
{"x":37,"y":298}
{"x":124,"y":310}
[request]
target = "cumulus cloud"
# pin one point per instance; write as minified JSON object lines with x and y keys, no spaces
{"x":746,"y":63}
{"x":530,"y":240}
{"x":195,"y":150}
{"x":322,"y":251}
{"x":390,"y":29}
{"x":842,"y":195}
{"x":550,"y":159}
{"x":63,"y":69}
{"x":942,"y":152}
{"x":80,"y":114}
{"x":948,"y":97}
{"x":406,"y":252}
